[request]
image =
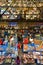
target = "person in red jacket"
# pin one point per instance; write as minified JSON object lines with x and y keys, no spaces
{"x":25,"y":41}
{"x":1,"y":42}
{"x":19,"y":48}
{"x":19,"y":45}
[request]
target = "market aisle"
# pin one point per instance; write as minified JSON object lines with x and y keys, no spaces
{"x":20,"y":55}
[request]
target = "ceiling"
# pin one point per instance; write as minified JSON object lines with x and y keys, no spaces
{"x":27,"y":9}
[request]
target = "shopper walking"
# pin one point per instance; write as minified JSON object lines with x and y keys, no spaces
{"x":18,"y":60}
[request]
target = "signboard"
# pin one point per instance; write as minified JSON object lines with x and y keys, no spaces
{"x":13,"y":23}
